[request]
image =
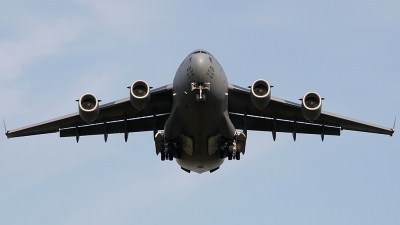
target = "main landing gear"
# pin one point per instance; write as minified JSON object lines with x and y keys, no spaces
{"x":168,"y":149}
{"x":229,"y":149}
{"x":171,"y":150}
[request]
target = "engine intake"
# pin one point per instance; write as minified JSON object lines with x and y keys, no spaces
{"x":88,"y":107}
{"x":311,"y":106}
{"x":140,"y":94}
{"x":260,"y":93}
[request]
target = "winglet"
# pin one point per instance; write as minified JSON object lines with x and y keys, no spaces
{"x":5,"y":128}
{"x":394,"y":125}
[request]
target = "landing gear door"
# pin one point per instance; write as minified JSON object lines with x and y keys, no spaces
{"x":159,"y":141}
{"x":241,"y":141}
{"x":187,"y":144}
{"x":213,"y":144}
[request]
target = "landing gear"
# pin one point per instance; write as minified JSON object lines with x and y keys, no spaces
{"x":171,"y":150}
{"x":230,"y":156}
{"x":201,"y":97}
{"x":179,"y":150}
{"x":170,"y":156}
{"x":162,"y":155}
{"x":230,"y":149}
{"x":222,"y":151}
{"x":200,"y":86}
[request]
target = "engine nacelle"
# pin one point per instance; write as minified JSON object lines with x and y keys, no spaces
{"x":88,"y":107}
{"x":140,"y":94}
{"x":260,"y":93}
{"x":311,"y":106}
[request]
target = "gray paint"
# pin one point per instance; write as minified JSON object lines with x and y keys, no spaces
{"x":200,"y":120}
{"x":174,"y":108}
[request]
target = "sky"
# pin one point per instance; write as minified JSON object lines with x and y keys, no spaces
{"x":52,"y":52}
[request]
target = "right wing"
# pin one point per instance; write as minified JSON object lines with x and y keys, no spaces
{"x":285,"y":116}
{"x":114,"y":117}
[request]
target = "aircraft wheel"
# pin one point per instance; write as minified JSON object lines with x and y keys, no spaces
{"x":237,"y":155}
{"x":162,"y":156}
{"x":179,"y":150}
{"x":197,"y":98}
{"x":229,"y":155}
{"x":179,"y":153}
{"x":221,"y":154}
{"x":203,"y":97}
{"x":170,"y":157}
{"x":230,"y":152}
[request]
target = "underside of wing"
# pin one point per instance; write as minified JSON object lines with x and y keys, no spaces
{"x":114,"y":117}
{"x":285,"y":116}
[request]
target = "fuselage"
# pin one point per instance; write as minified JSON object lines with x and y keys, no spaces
{"x":199,"y":110}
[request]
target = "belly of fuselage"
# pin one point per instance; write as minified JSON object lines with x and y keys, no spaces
{"x":200,"y":119}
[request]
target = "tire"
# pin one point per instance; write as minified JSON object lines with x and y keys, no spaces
{"x":179,"y":150}
{"x":229,"y":155}
{"x":170,"y":156}
{"x":197,"y":98}
{"x":179,"y":153}
{"x":162,"y":156}
{"x":221,"y":154}
{"x":203,"y":97}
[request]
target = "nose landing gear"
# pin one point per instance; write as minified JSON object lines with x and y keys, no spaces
{"x":201,"y":97}
{"x":200,"y":86}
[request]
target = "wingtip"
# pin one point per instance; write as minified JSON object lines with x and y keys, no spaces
{"x":394,"y":125}
{"x":5,"y":129}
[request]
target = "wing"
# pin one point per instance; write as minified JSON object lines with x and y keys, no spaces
{"x":285,"y":116}
{"x":114,"y":117}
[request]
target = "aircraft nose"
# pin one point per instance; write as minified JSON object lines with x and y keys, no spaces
{"x":200,"y":64}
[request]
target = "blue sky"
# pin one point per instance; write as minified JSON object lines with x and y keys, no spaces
{"x":52,"y":52}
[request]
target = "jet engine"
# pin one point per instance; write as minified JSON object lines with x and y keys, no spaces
{"x":88,"y":107}
{"x":140,"y":94}
{"x":311,"y":106}
{"x":260,"y":93}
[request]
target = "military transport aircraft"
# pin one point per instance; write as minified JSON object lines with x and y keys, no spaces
{"x":200,"y":119}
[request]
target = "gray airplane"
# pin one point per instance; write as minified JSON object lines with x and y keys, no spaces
{"x":200,"y":119}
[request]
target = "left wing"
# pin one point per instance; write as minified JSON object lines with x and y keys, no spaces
{"x":285,"y":116}
{"x":114,"y":117}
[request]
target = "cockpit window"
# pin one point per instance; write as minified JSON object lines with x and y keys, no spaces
{"x":200,"y":52}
